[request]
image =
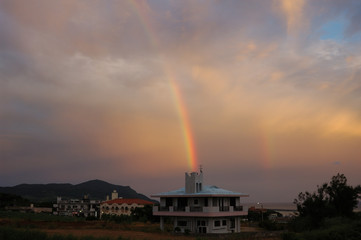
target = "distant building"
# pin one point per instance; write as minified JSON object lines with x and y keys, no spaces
{"x":201,"y":209}
{"x":30,"y":208}
{"x":76,"y":207}
{"x":122,"y":206}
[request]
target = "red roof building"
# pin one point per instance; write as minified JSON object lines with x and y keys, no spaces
{"x":122,"y":206}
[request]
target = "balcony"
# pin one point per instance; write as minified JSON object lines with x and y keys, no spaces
{"x":224,"y":209}
{"x":198,"y":211}
{"x":238,"y":208}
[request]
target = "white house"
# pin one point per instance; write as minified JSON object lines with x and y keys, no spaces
{"x":76,"y":207}
{"x":201,"y":209}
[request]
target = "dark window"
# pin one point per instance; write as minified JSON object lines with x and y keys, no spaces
{"x":214,"y":202}
{"x":195,"y":201}
{"x":182,"y":223}
{"x":206,"y":202}
{"x":201,"y":223}
{"x":217,"y":223}
{"x":224,"y":222}
{"x":182,"y":202}
{"x":168,"y":202}
{"x":233,"y":202}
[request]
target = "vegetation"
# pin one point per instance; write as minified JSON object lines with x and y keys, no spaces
{"x":96,"y":189}
{"x":327,"y":213}
{"x":338,"y":228}
{"x":7,"y":233}
{"x":12,"y":200}
{"x":37,"y":217}
{"x":336,"y":199}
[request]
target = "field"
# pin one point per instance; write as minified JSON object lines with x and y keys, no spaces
{"x":74,"y":228}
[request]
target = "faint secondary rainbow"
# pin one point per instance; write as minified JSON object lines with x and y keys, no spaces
{"x":266,"y":148}
{"x":139,"y":8}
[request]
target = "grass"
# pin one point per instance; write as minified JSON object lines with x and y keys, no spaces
{"x":332,"y":229}
{"x":26,"y":226}
{"x":7,"y":233}
{"x":37,"y":217}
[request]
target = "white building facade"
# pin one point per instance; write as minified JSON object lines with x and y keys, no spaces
{"x":122,"y":206}
{"x":201,"y":209}
{"x":76,"y":207}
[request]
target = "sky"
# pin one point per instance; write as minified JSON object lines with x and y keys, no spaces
{"x":264,"y":94}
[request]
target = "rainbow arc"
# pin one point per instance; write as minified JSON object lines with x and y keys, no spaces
{"x":179,"y":102}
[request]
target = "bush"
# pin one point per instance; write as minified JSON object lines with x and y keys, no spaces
{"x":289,"y":236}
{"x":271,"y":225}
{"x":331,"y":229}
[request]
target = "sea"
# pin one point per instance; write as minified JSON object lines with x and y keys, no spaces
{"x":285,"y":208}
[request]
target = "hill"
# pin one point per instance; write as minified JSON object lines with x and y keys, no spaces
{"x":96,"y":189}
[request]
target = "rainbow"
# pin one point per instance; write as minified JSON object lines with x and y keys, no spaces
{"x":140,"y":11}
{"x":267,"y":148}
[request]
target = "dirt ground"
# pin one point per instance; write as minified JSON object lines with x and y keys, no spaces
{"x":115,"y":234}
{"x":133,"y":231}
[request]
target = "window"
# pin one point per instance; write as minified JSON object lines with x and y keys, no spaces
{"x":206,"y":202}
{"x":201,"y":223}
{"x":217,"y":223}
{"x":195,"y":201}
{"x":214,"y":202}
{"x":224,"y":222}
{"x":182,"y":223}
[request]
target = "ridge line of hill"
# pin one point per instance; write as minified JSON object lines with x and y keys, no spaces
{"x":95,"y":189}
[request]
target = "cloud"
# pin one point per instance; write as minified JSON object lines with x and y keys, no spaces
{"x":354,"y":25}
{"x":87,"y":86}
{"x":293,"y":12}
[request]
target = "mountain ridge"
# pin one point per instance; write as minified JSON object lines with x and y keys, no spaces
{"x":96,"y":189}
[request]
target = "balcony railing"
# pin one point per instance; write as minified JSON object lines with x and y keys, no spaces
{"x":179,"y":209}
{"x":198,"y":209}
{"x":163,"y":209}
{"x":224,"y":209}
{"x":238,"y":208}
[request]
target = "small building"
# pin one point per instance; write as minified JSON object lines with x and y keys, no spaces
{"x":122,"y":206}
{"x":76,"y":207}
{"x":198,"y":208}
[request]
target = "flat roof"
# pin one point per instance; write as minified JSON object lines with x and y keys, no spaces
{"x":128,"y":201}
{"x":207,"y":191}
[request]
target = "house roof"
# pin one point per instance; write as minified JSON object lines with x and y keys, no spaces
{"x":206,"y":191}
{"x":128,"y":201}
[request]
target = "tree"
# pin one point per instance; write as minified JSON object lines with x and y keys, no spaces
{"x":330,"y":200}
{"x":143,"y":214}
{"x":343,"y":198}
